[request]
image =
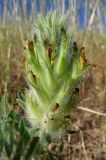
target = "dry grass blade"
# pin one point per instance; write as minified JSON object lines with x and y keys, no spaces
{"x":91,"y":111}
{"x":83,"y":146}
{"x":93,"y":15}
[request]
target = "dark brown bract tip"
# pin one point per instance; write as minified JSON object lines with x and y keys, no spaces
{"x":63,"y":30}
{"x":46,"y":42}
{"x":55,"y":107}
{"x":82,"y":48}
{"x":50,"y":48}
{"x":67,"y":117}
{"x":74,"y":47}
{"x":35,"y":37}
{"x":30,"y":45}
{"x":76,"y":91}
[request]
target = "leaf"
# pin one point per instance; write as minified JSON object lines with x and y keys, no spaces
{"x":21,"y":127}
{"x":31,"y":148}
{"x":21,"y":100}
{"x":20,"y":149}
{"x":48,"y":138}
{"x":1,"y":142}
{"x":8,"y":148}
{"x":21,"y":103}
{"x":10,"y":117}
{"x":7,"y":133}
{"x":17,"y":121}
{"x":21,"y":96}
{"x":4,"y":105}
{"x":33,"y":132}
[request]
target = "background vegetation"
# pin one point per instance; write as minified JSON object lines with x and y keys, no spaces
{"x":16,"y":25}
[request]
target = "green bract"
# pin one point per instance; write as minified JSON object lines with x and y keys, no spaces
{"x":54,"y":67}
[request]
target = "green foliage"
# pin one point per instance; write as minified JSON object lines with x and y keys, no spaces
{"x":54,"y":68}
{"x":15,"y":137}
{"x":32,"y":147}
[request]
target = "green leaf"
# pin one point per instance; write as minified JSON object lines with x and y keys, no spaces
{"x":20,"y":149}
{"x":21,"y":127}
{"x":21,"y":103}
{"x":31,"y":148}
{"x":10,"y":117}
{"x":48,"y":138}
{"x":8,"y":148}
{"x":33,"y":132}
{"x":1,"y":142}
{"x":7,"y":133}
{"x":4,"y":105}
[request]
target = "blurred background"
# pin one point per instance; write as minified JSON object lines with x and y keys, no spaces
{"x":88,"y":19}
{"x":83,"y":12}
